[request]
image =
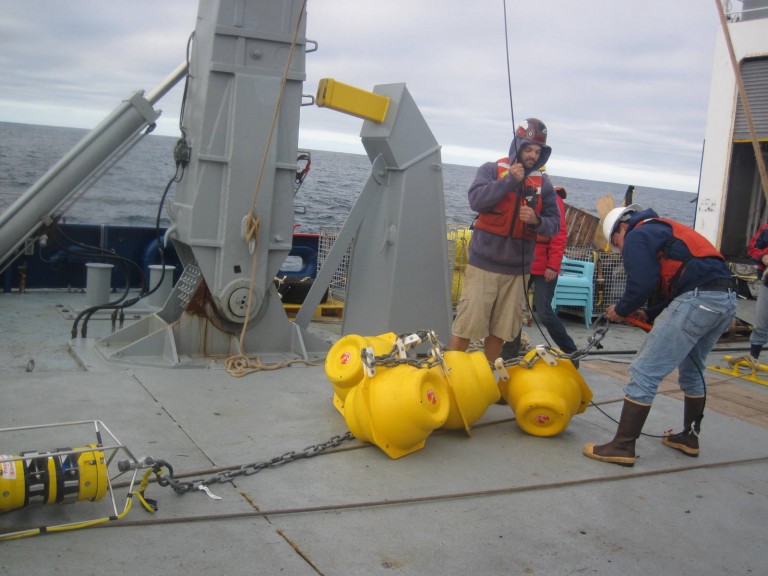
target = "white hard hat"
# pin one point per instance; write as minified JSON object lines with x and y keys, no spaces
{"x":614,"y":217}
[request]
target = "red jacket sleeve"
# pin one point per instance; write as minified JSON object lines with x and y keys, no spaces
{"x":558,"y":241}
{"x":757,"y":245}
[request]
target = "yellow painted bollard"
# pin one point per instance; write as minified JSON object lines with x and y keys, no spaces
{"x":472,"y":386}
{"x":397,"y":408}
{"x":545,"y":395}
{"x":344,"y":365}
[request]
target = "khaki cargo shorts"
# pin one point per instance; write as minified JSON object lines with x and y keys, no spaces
{"x":490,"y":303}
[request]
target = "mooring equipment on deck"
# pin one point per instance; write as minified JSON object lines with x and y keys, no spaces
{"x":55,"y":477}
{"x":393,"y":398}
{"x":397,"y":409}
{"x":745,"y":367}
{"x":65,"y":475}
{"x":544,"y":392}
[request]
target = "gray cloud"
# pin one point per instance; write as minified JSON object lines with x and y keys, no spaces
{"x":622,"y":85}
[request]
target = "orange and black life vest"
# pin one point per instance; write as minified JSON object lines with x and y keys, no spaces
{"x":503,"y":218}
{"x":671,"y":269}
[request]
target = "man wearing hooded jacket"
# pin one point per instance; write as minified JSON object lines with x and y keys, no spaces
{"x":515,"y":201}
{"x":697,"y":305}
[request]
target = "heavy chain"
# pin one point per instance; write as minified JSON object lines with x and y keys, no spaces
{"x":225,"y":476}
{"x":600,"y":329}
{"x":399,"y":353}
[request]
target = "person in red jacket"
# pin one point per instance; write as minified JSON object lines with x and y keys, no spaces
{"x":548,"y":255}
{"x":758,"y":249}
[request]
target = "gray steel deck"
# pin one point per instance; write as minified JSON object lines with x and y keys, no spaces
{"x":499,"y":502}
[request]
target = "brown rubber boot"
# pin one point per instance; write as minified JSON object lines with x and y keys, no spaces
{"x":621,"y":450}
{"x":687,"y":441}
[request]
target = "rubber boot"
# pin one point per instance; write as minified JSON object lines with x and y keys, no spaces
{"x":754,"y":350}
{"x":621,"y":450}
{"x":687,"y":441}
{"x":511,"y":349}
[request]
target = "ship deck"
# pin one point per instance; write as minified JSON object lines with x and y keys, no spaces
{"x":498,"y":502}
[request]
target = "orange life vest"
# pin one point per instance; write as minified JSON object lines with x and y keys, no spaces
{"x":503,"y":218}
{"x":671,"y":269}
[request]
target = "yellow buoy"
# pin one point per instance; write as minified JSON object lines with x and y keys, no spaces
{"x":472,"y":386}
{"x":344,"y":364}
{"x":545,"y":396}
{"x":397,"y":409}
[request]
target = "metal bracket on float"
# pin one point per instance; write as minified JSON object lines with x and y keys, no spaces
{"x":546,"y":355}
{"x":500,"y":371}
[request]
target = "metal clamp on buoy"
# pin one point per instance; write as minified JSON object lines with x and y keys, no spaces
{"x":500,"y":371}
{"x":545,"y":354}
{"x":368,"y":356}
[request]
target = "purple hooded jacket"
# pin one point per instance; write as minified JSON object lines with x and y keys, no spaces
{"x":504,"y":254}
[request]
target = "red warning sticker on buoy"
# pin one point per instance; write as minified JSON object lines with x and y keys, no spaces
{"x":431,"y":396}
{"x":8,"y":469}
{"x":345,"y":358}
{"x":542,"y":419}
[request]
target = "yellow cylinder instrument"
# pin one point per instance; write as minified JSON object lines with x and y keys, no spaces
{"x":59,"y":476}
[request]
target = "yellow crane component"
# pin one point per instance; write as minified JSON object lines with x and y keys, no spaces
{"x":353,"y":101}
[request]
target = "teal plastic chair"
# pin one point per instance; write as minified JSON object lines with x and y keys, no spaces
{"x":575,"y":287}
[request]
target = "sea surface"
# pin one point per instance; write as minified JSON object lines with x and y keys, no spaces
{"x":130,"y":193}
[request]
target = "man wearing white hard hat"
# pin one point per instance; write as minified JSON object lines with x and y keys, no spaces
{"x":695,"y":304}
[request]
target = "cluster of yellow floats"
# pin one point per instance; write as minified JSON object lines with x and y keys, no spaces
{"x":395,"y":398}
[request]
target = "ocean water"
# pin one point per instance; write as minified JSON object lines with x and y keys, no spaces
{"x":130,"y":193}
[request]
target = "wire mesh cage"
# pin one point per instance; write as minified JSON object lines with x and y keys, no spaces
{"x":458,"y":241}
{"x":338,"y":287}
{"x":610,"y":278}
{"x":458,"y":256}
{"x":609,"y":281}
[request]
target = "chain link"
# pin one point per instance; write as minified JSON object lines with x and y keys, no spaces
{"x":600,"y":329}
{"x":226,"y":476}
{"x":397,"y":356}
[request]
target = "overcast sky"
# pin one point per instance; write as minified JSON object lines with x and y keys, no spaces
{"x":621,"y":84}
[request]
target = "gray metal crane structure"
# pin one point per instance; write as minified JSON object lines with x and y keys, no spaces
{"x":233,"y":214}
